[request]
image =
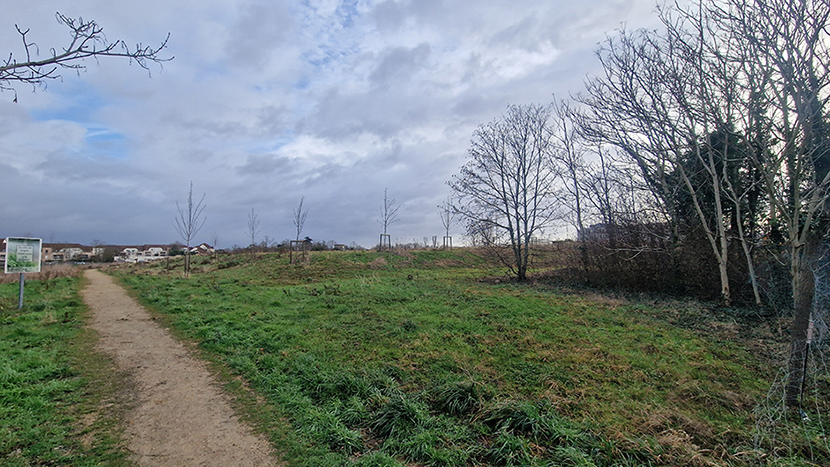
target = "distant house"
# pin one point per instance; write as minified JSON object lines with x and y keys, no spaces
{"x":130,"y":252}
{"x":54,"y":252}
{"x":142,"y":253}
{"x":155,"y":251}
{"x":203,"y":249}
{"x":58,"y":252}
{"x":66,"y":252}
{"x":72,"y":253}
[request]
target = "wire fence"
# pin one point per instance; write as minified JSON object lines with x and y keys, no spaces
{"x":802,"y":434}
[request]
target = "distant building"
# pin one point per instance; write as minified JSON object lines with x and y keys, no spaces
{"x":51,"y":252}
{"x":60,"y":252}
{"x":155,"y":251}
{"x":203,"y":249}
{"x":142,"y":253}
{"x":129,"y":252}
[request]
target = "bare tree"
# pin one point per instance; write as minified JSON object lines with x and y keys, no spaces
{"x":732,"y":96}
{"x":388,"y":212}
{"x":602,"y":187}
{"x":253,"y":230}
{"x":506,"y":187}
{"x":188,"y":223}
{"x":569,"y":154}
{"x":445,"y":210}
{"x":87,"y":40}
{"x":388,"y":215}
{"x":663,"y":96}
{"x":784,"y":54}
{"x":300,"y":215}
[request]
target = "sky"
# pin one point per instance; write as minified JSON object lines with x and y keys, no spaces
{"x":267,"y":102}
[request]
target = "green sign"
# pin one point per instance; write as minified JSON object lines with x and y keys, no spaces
{"x":22,"y":255}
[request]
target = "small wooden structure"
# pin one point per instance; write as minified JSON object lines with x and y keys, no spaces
{"x":297,"y":251}
{"x":385,"y":242}
{"x":448,"y":243}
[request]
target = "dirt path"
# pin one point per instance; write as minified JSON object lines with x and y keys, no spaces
{"x":181,"y":417}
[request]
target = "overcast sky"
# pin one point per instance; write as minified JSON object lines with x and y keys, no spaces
{"x":269,"y":101}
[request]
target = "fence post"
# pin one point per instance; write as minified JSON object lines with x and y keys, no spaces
{"x":20,"y":295}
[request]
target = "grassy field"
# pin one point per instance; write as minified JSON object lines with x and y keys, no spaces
{"x":428,"y":358}
{"x":58,"y":398}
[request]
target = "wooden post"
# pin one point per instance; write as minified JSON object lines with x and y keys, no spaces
{"x":300,"y":257}
{"x":388,"y":242}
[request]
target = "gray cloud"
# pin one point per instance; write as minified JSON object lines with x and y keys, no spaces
{"x":270,"y":101}
{"x":399,"y":64}
{"x":265,"y":165}
{"x":259,"y":30}
{"x":389,"y":16}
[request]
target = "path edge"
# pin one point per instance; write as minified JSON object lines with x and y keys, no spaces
{"x":259,"y":416}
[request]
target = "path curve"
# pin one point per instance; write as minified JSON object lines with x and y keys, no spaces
{"x":181,"y":418}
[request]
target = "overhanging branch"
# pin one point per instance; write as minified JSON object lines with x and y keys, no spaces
{"x":87,"y":40}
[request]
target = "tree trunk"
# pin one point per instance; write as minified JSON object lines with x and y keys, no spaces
{"x":521,"y":261}
{"x":583,"y":253}
{"x":725,"y":294}
{"x":803,"y":291}
{"x":750,"y":264}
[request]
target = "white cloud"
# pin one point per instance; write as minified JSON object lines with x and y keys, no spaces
{"x":267,"y":101}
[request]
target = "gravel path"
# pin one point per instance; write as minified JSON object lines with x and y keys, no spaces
{"x":181,"y":416}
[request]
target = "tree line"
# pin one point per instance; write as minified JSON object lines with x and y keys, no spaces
{"x":703,"y":144}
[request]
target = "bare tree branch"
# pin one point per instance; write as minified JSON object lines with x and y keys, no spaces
{"x":253,"y":230}
{"x":189,"y":222}
{"x":300,"y":215}
{"x":447,"y":214}
{"x":388,"y":212}
{"x":87,"y":40}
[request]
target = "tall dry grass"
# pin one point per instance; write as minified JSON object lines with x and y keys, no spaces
{"x":47,"y":272}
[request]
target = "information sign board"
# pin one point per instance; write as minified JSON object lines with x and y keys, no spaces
{"x":22,"y":255}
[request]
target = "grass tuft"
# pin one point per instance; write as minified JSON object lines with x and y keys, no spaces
{"x":401,"y":416}
{"x":509,"y":449}
{"x":458,"y":398}
{"x":325,"y":427}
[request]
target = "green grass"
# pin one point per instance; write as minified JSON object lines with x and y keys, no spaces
{"x":52,"y":385}
{"x":418,"y":358}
